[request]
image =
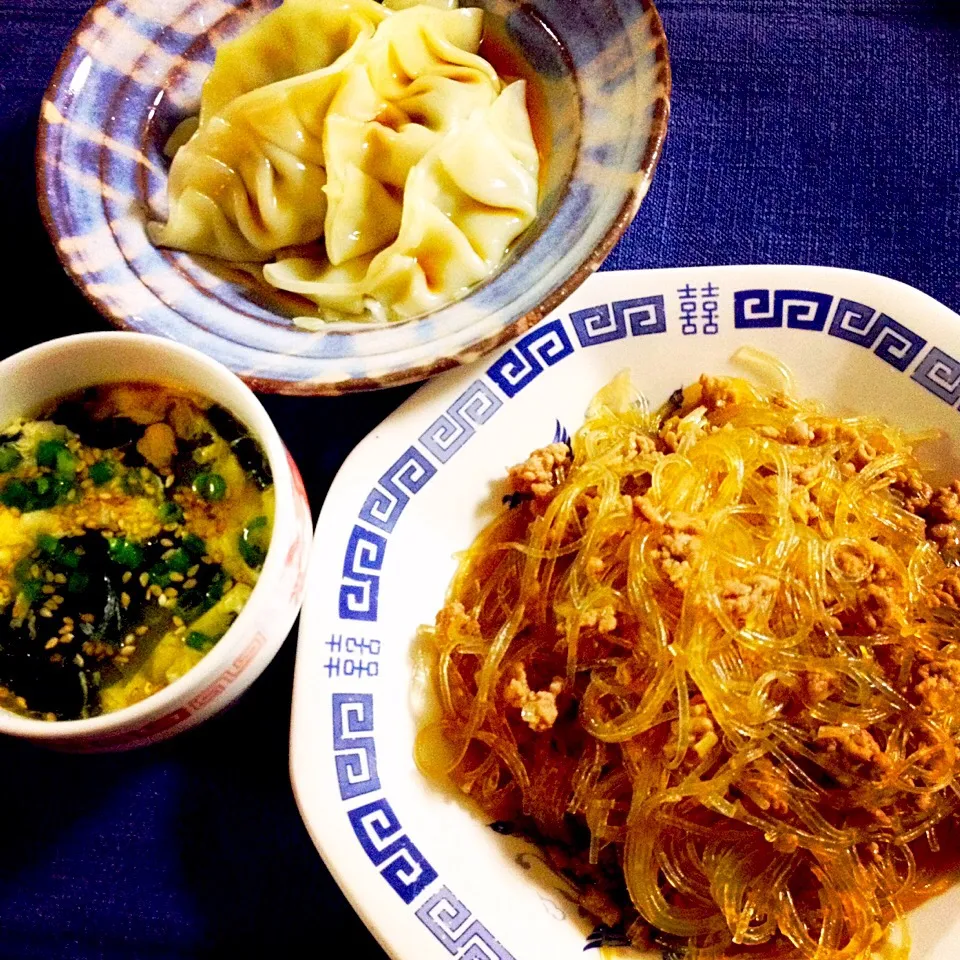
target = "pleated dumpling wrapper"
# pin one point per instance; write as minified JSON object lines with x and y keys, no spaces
{"x":369,"y":149}
{"x":464,"y":203}
{"x":250,"y":180}
{"x":300,"y":36}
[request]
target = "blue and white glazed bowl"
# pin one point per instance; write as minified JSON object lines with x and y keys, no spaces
{"x":135,"y":68}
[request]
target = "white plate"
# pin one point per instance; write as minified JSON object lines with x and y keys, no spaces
{"x":429,"y":877}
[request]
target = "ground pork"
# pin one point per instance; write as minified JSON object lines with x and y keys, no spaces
{"x":740,"y":598}
{"x":715,"y":392}
{"x":604,"y":619}
{"x":541,"y":472}
{"x":942,"y":514}
{"x":854,"y":742}
{"x":938,"y":686}
{"x":767,"y":788}
{"x":538,"y":709}
{"x":678,"y":547}
{"x":453,"y":618}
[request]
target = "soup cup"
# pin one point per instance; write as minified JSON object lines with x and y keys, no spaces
{"x":36,"y":378}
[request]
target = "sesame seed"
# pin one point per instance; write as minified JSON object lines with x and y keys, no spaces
{"x":128,"y":650}
{"x":144,"y":579}
{"x":87,"y":617}
{"x":67,"y":638}
{"x":178,"y":621}
{"x":126,"y":577}
{"x":21,"y":703}
{"x":48,"y":588}
{"x":51,"y":643}
{"x":68,"y":621}
{"x":194,"y":570}
{"x":166,"y":542}
{"x":141,"y":630}
{"x":170,"y":592}
{"x":167,"y":554}
{"x":35,"y":571}
{"x":60,"y":578}
{"x":50,"y":717}
{"x":125,"y":600}
{"x":189,"y":584}
{"x":176,"y":577}
{"x":162,"y":600}
{"x":45,"y":612}
{"x":169,"y":481}
{"x":48,"y":576}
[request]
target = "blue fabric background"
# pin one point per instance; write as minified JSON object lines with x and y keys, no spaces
{"x":803,"y":131}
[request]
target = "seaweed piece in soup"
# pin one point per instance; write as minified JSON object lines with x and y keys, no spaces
{"x":244,"y":447}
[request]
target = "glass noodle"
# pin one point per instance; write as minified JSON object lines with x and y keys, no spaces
{"x":708,"y":657}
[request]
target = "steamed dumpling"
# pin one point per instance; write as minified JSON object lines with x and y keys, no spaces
{"x":251,"y":180}
{"x":369,"y":146}
{"x":299,"y":37}
{"x":459,"y":217}
{"x":395,"y":103}
{"x":422,"y":49}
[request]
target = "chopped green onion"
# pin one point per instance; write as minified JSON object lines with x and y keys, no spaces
{"x":47,"y":452}
{"x":253,"y":542}
{"x":37,"y":494}
{"x":10,"y":457}
{"x":132,"y":482}
{"x":32,"y":590}
{"x":215,"y":591}
{"x":101,"y":472}
{"x":179,"y":561}
{"x":171,"y":512}
{"x":159,"y":574}
{"x":48,"y":544}
{"x":16,"y":495}
{"x":125,"y":553}
{"x":67,"y":464}
{"x":194,"y":545}
{"x":198,"y":641}
{"x":210,"y":486}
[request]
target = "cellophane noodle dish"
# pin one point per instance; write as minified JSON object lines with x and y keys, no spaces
{"x":709,"y":658}
{"x":360,"y":155}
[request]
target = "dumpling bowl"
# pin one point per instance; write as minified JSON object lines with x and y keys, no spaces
{"x":34,"y":380}
{"x":598,"y":89}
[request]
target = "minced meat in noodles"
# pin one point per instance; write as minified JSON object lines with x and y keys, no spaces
{"x":709,"y":657}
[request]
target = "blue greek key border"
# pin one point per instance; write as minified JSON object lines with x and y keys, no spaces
{"x":378,"y":830}
{"x":854,"y":322}
{"x":544,"y":346}
{"x":386,"y":843}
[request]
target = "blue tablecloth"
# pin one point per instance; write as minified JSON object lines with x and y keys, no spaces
{"x":803,"y":131}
